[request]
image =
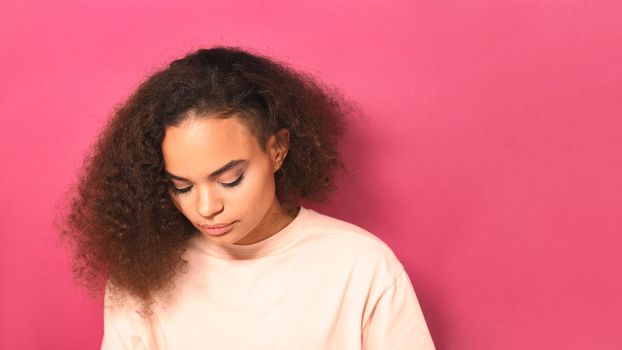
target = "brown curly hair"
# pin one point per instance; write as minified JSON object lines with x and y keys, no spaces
{"x":120,"y":219}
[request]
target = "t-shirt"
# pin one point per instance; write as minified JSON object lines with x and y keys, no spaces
{"x":319,"y":283}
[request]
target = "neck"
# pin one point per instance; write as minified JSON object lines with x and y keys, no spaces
{"x":277,"y":218}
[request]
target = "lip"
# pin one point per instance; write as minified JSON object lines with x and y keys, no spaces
{"x":216,"y":229}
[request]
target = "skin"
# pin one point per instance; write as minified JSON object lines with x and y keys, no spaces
{"x":199,"y":146}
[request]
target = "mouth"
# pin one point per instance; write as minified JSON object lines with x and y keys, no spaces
{"x":218,"y":229}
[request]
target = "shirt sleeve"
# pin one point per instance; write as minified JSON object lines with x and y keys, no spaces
{"x":120,"y":328}
{"x":397,"y":322}
{"x":112,"y":339}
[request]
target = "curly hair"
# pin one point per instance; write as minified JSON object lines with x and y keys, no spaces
{"x":122,"y":223}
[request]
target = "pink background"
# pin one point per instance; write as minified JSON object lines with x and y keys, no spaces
{"x":490,"y":158}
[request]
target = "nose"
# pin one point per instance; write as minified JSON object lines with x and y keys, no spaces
{"x":208,"y":203}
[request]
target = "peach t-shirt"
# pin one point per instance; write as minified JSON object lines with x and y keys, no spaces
{"x":319,"y":283}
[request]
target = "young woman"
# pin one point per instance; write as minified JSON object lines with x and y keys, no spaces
{"x":188,"y":209}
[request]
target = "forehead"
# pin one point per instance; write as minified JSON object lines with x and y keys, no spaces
{"x":203,"y":144}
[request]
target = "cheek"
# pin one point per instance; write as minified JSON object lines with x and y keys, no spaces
{"x":260,"y":193}
{"x":262,"y":184}
{"x":180,"y":204}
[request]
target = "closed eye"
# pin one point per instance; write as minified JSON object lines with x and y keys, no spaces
{"x":234,"y":183}
{"x":225,"y":185}
{"x":181,"y":190}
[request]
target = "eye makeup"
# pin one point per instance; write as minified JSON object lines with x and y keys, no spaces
{"x":234,"y":183}
{"x":225,"y":185}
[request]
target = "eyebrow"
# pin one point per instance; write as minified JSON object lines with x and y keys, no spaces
{"x":232,"y":164}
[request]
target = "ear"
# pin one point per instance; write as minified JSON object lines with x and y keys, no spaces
{"x":279,"y":145}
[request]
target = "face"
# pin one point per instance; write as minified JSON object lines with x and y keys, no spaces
{"x":219,"y":175}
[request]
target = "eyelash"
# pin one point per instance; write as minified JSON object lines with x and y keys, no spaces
{"x":225,"y":185}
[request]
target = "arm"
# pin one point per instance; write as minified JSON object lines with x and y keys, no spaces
{"x":397,"y":321}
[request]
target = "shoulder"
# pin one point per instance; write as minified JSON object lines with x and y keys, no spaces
{"x":347,"y":241}
{"x":120,"y":303}
{"x":128,"y":322}
{"x":345,"y":234}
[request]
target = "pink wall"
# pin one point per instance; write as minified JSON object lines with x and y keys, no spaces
{"x":490,"y":160}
